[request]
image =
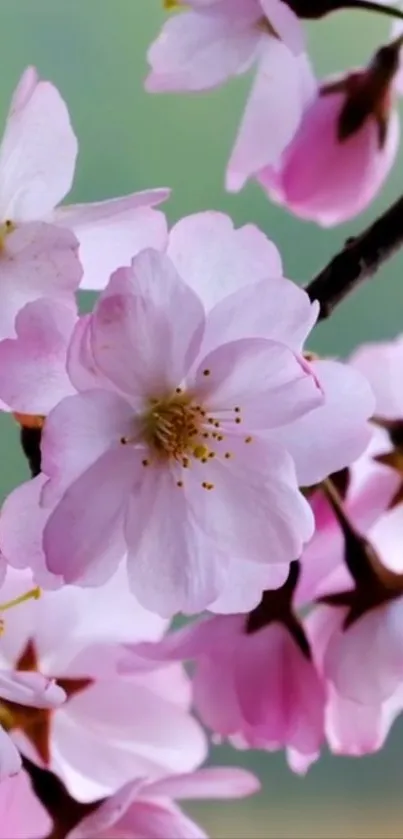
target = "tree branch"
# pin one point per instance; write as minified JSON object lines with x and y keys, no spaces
{"x":360,"y":258}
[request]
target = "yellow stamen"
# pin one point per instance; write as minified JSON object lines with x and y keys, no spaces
{"x":33,"y":594}
{"x":5,"y":229}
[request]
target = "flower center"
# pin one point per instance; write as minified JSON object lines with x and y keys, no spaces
{"x":173,"y":427}
{"x":5,"y":229}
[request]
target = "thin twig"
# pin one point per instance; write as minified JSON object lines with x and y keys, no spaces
{"x":359,"y":260}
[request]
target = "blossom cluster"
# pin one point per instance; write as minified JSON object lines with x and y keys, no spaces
{"x":190,"y":456}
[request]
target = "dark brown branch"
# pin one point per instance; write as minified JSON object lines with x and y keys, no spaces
{"x":64,"y":811}
{"x":360,"y":258}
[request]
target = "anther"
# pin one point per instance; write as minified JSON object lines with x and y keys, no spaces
{"x":211,"y":454}
{"x":228,"y":455}
{"x":248,"y":439}
{"x":238,"y":420}
{"x":237,"y":410}
{"x":216,"y":424}
{"x":178,"y":390}
{"x":220,"y":437}
{"x":206,"y":372}
{"x":145,"y":462}
{"x":179,"y":483}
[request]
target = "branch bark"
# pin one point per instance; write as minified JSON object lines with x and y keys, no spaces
{"x":360,"y":259}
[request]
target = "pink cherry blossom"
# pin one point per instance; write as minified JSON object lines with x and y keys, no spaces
{"x":206,"y":43}
{"x":348,"y":169}
{"x":257,"y":689}
{"x":21,"y":814}
{"x":37,"y":161}
{"x":112,"y":728}
{"x":187,"y":468}
{"x":142,"y":808}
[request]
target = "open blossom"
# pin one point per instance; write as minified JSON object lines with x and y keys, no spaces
{"x":354,"y":129}
{"x":74,"y":636}
{"x":204,"y":44}
{"x":37,"y":161}
{"x":255,"y":687}
{"x":21,"y":814}
{"x":171,"y":417}
{"x":142,"y":808}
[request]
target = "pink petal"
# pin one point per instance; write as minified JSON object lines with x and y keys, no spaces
{"x":216,"y":259}
{"x":38,"y":152}
{"x":33,"y":375}
{"x":21,"y":529}
{"x":198,"y":51}
{"x":255,"y":511}
{"x":149,"y":338}
{"x":287,"y":25}
{"x":244,"y":585}
{"x":212,"y":782}
{"x":266,"y":379}
{"x":173,"y":565}
{"x":39,"y":260}
{"x":267,"y":126}
{"x":126,"y":815}
{"x":83,"y":538}
{"x":10,"y":760}
{"x":21,"y":814}
{"x":382,"y":363}
{"x":271,"y":308}
{"x":112,"y":232}
{"x":77,"y":432}
{"x":339,"y":426}
{"x":365,"y":663}
{"x":30,"y":689}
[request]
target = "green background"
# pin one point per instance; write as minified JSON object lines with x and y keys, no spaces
{"x":94,"y":51}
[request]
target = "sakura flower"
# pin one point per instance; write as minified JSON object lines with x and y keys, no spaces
{"x":112,"y":727}
{"x":173,"y":452}
{"x":21,"y":814}
{"x":254,"y":682}
{"x":382,"y":364}
{"x":37,"y":161}
{"x":354,"y":129}
{"x":142,"y":808}
{"x":208,"y":42}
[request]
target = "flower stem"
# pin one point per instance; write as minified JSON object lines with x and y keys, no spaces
{"x":360,"y":259}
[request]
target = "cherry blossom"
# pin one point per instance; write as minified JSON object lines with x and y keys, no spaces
{"x":178,"y":436}
{"x":74,"y":636}
{"x":142,"y":808}
{"x":37,"y":161}
{"x":205,"y":44}
{"x":255,"y":687}
{"x":355,"y":132}
{"x":21,"y":814}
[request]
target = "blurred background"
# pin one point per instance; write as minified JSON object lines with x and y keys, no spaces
{"x":95,"y":52}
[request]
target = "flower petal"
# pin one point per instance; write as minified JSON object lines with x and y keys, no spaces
{"x":273,"y":308}
{"x":83,"y":538}
{"x":212,"y":782}
{"x":201,"y":50}
{"x":338,"y":428}
{"x":38,"y":152}
{"x":39,"y":260}
{"x":215,"y":259}
{"x":267,"y":126}
{"x":112,"y":232}
{"x":172,"y":565}
{"x":33,"y":375}
{"x":269,"y":384}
